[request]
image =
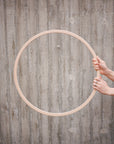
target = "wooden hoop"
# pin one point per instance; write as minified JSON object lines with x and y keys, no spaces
{"x":19,"y":89}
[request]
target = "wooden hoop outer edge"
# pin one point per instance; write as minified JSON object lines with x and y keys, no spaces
{"x":19,"y":89}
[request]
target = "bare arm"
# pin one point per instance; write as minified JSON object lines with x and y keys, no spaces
{"x":110,"y":74}
{"x":111,"y":93}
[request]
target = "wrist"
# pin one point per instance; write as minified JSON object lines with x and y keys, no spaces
{"x":110,"y":91}
{"x":107,"y":71}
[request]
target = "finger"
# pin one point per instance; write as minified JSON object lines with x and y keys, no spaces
{"x":97,"y":79}
{"x":95,"y":63}
{"x":94,"y":59}
{"x":98,"y":59}
{"x":96,"y":88}
{"x":96,"y":67}
{"x":96,"y":85}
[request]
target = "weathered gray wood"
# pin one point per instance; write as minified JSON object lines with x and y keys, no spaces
{"x":55,"y":72}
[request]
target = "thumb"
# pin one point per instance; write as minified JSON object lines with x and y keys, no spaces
{"x":98,"y":59}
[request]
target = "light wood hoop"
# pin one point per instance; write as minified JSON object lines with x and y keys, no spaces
{"x":16,"y":79}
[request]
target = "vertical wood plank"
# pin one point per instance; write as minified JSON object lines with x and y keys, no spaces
{"x":10,"y":40}
{"x":23,"y":75}
{"x":5,"y":135}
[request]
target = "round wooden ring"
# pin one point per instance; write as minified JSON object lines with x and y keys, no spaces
{"x":19,"y":89}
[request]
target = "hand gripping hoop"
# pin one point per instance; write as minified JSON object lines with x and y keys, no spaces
{"x":19,"y":89}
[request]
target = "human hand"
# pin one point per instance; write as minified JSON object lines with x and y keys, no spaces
{"x":100,"y":65}
{"x":100,"y":85}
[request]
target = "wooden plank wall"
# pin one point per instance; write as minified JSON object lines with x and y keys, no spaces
{"x":55,"y":72}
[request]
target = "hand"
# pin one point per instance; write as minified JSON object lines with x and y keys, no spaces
{"x":100,"y":85}
{"x":100,"y":65}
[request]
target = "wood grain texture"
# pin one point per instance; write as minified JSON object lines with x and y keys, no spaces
{"x":55,"y":72}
